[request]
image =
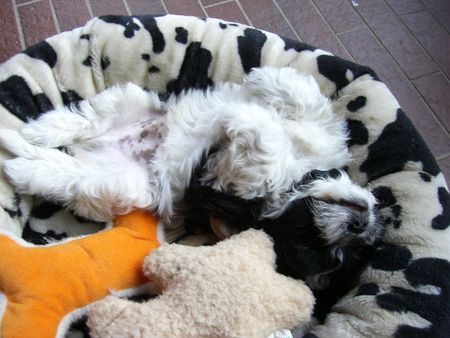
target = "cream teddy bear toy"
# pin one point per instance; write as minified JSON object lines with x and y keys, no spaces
{"x":230,"y":289}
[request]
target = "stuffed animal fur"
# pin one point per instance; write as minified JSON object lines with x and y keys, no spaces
{"x":230,"y":289}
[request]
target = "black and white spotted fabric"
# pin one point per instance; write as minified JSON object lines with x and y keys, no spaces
{"x":404,"y":292}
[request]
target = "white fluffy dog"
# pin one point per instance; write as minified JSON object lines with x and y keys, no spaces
{"x":126,"y":149}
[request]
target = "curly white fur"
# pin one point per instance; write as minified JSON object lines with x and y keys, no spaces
{"x":126,"y":149}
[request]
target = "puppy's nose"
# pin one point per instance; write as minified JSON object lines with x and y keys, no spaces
{"x":359,"y":222}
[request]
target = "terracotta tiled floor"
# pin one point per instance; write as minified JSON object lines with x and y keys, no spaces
{"x":407,"y":42}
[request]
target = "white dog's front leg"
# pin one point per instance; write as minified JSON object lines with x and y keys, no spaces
{"x":115,"y":106}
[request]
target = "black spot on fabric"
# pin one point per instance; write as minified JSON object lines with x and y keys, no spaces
{"x":88,"y":61}
{"x":391,"y":258}
{"x":369,"y":289}
{"x":141,"y":298}
{"x":16,"y":96}
{"x":149,"y":23}
{"x":42,"y":51}
{"x":146,"y":57}
{"x":398,"y":144}
{"x":442,"y":221}
{"x":40,"y":238}
{"x":16,"y":211}
{"x":194,"y":70}
{"x":85,"y":36}
{"x":296,"y":45}
{"x":70,"y":97}
{"x":154,"y":69}
{"x":249,"y":47}
{"x":223,"y":25}
{"x":125,"y":21}
{"x":435,"y":308}
{"x":356,"y":104}
{"x":425,"y":177}
{"x":359,"y":135}
{"x":233,"y":24}
{"x":105,"y":62}
{"x":182,"y":35}
{"x":387,"y":204}
{"x":335,"y":69}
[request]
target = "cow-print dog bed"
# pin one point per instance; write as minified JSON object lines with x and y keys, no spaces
{"x":404,"y":292}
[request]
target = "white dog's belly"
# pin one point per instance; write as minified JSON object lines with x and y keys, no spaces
{"x":136,"y":142}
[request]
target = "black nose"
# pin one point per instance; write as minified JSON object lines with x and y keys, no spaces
{"x":359,"y":222}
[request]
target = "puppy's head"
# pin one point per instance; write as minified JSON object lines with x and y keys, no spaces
{"x":324,"y":221}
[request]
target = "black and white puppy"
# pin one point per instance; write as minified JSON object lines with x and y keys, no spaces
{"x":324,"y":229}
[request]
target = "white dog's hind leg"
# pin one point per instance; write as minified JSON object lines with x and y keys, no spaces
{"x":97,"y":187}
{"x":115,"y":106}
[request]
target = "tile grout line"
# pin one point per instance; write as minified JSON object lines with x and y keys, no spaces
{"x":408,"y":81}
{"x":19,"y":25}
{"x":434,"y":16}
{"x":443,"y":157}
{"x":88,"y":5}
{"x":202,"y":8}
{"x":399,"y":17}
{"x":329,"y":26}
{"x":55,"y":18}
{"x":217,"y":3}
{"x":244,"y":13}
{"x":287,"y":20}
{"x":127,"y":8}
{"x":164,"y":5}
{"x":28,"y":3}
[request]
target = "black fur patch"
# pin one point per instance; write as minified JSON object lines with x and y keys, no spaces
{"x":125,"y":21}
{"x":335,"y":69}
{"x":433,"y":307}
{"x":150,"y":25}
{"x":358,"y":133}
{"x":296,"y":45}
{"x":391,"y":258}
{"x":105,"y":62}
{"x":16,"y":96}
{"x":369,"y":289}
{"x":425,"y":177}
{"x":45,"y":210}
{"x":194,"y":70}
{"x":182,"y":35}
{"x":442,"y":221}
{"x":249,"y":47}
{"x":223,"y":25}
{"x":146,"y":57}
{"x":386,"y":199}
{"x":85,"y":36}
{"x":398,"y":144}
{"x":43,"y":51}
{"x":356,"y":104}
{"x":70,"y":97}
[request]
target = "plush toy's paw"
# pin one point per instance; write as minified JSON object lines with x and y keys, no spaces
{"x":103,"y":313}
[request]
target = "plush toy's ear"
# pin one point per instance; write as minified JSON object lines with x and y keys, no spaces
{"x":256,"y":242}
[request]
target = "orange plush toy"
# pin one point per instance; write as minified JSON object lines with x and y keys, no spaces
{"x":43,"y":286}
